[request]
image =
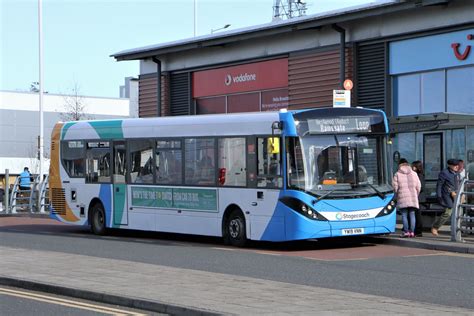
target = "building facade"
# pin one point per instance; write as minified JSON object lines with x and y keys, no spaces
{"x":413,"y":59}
{"x":19,"y":124}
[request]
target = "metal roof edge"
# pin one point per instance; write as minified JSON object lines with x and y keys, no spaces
{"x":268,"y":29}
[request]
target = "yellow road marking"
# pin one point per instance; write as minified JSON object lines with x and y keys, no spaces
{"x":69,"y":303}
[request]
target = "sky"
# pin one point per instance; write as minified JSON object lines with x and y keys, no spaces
{"x":80,"y":35}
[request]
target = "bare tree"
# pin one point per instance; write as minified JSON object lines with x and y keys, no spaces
{"x":34,"y":86}
{"x":74,"y":108}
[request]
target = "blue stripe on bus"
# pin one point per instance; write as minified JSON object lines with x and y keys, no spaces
{"x":287,"y":224}
{"x":105,"y":195}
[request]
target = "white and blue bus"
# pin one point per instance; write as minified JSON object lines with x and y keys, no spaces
{"x":274,"y":176}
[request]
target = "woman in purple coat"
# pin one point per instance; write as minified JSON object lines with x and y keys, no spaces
{"x":407,"y":187}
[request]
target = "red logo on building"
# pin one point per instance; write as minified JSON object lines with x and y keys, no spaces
{"x":264,"y":75}
{"x":462,"y":56}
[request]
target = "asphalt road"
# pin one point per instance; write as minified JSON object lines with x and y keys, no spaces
{"x":15,"y":301}
{"x":354,"y":265}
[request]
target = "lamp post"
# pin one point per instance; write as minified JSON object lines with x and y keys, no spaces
{"x":40,"y":36}
{"x":195,"y":16}
{"x":221,"y":28}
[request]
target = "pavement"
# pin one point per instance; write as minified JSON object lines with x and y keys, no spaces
{"x":179,"y":291}
{"x":442,"y":242}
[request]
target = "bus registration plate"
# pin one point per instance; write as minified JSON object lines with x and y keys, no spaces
{"x":352,"y":231}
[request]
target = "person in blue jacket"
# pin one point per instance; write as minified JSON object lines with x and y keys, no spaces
{"x":446,"y":190}
{"x":25,"y":179}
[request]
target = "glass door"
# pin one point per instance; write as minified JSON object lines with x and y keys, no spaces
{"x":120,"y":184}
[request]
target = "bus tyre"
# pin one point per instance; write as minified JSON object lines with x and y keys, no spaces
{"x":235,"y":231}
{"x":98,"y":219}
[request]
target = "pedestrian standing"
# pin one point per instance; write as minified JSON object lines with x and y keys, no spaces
{"x":417,"y":166}
{"x":407,"y":187}
{"x":461,"y":171}
{"x":2,"y":192}
{"x":446,"y":188}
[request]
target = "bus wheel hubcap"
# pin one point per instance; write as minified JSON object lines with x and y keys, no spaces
{"x":234,"y":228}
{"x":100,"y":218}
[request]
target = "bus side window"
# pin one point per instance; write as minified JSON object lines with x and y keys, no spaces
{"x":199,"y":161}
{"x":72,"y":155}
{"x":231,"y":162}
{"x":169,"y":162}
{"x":141,"y":161}
{"x":269,"y":173}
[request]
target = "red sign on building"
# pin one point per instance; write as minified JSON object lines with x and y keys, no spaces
{"x":243,"y":78}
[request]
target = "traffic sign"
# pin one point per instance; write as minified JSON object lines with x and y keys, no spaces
{"x":348,"y":84}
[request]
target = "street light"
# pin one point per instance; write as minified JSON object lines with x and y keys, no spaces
{"x":221,"y":28}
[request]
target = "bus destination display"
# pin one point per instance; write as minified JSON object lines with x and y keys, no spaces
{"x":339,"y":125}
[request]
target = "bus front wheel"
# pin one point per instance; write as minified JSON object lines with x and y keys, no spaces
{"x":235,"y":231}
{"x":98,"y":219}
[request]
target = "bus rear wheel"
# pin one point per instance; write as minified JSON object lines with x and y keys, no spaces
{"x":98,"y":219}
{"x":235,"y":230}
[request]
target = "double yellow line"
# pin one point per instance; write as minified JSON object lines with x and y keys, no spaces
{"x":68,"y":303}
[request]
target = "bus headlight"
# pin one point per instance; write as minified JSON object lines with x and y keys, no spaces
{"x":388,"y":209}
{"x":302,"y":208}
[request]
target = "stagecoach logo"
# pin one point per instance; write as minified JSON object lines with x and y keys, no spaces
{"x":352,"y":216}
{"x":239,"y":78}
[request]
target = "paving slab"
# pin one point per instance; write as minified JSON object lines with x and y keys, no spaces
{"x":192,"y":292}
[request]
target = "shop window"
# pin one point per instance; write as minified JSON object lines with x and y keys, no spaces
{"x":211,"y":105}
{"x":269,"y":162}
{"x":404,"y":144}
{"x":199,"y":161}
{"x":72,"y":156}
{"x":460,"y":85}
{"x":456,"y":148}
{"x":407,"y":94}
{"x":141,"y":161}
{"x":169,"y":162}
{"x":433,"y":155}
{"x":420,"y":93}
{"x":274,"y":100}
{"x":246,"y":102}
{"x":98,"y":162}
{"x":232,"y":169}
{"x":433,"y":92}
{"x":470,"y":145}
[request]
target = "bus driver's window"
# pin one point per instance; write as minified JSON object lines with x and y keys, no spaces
{"x":269,"y":162}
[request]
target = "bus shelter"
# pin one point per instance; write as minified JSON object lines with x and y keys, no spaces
{"x":433,"y":139}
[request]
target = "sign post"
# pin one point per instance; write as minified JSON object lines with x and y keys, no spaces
{"x":348,"y":84}
{"x":341,"y":99}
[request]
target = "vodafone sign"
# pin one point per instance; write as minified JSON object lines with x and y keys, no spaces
{"x":244,"y":78}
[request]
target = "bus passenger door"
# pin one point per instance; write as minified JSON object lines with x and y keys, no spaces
{"x":265,"y":177}
{"x":120,"y":184}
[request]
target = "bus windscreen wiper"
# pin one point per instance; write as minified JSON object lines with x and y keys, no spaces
{"x":322,"y":196}
{"x":380,"y":194}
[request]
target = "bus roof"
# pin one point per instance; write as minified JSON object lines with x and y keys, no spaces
{"x":256,"y":123}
